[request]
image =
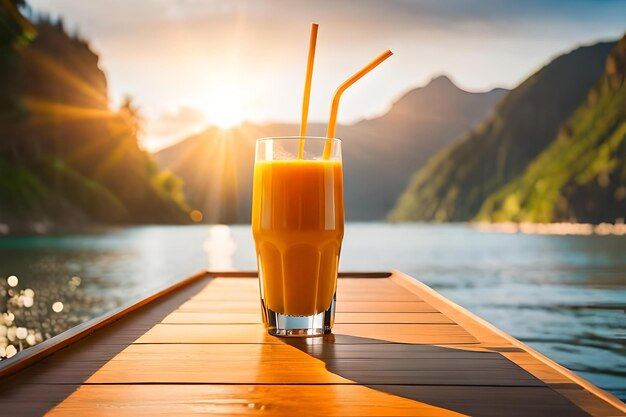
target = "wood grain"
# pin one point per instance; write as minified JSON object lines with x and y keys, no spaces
{"x":180,"y":317}
{"x":249,"y":306}
{"x":397,"y":348}
{"x":314,"y":400}
{"x":255,"y":333}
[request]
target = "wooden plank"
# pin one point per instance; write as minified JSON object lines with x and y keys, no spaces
{"x":247,"y":289}
{"x":300,"y":372}
{"x":407,"y":351}
{"x":342,"y":275}
{"x":390,"y":318}
{"x":227,"y":352}
{"x":183,"y":317}
{"x":211,"y":294}
{"x":264,"y":363}
{"x":322,"y":351}
{"x":207,"y":333}
{"x":345,"y":282}
{"x":248,"y":280}
{"x":195,"y":305}
{"x":447,"y":334}
{"x":313,"y":400}
{"x":359,"y":333}
{"x":385,"y":307}
{"x":26,"y":399}
{"x":201,"y":306}
{"x":179,"y":317}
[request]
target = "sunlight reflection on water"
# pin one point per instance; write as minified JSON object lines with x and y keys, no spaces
{"x":220,"y":248}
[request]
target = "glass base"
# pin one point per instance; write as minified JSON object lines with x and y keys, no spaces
{"x":300,"y":326}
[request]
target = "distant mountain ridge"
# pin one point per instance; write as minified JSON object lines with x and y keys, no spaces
{"x":379,"y":154}
{"x":455,"y":183}
{"x":581,"y":177}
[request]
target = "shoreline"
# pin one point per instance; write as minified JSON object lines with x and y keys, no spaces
{"x":48,"y":229}
{"x":559,"y":229}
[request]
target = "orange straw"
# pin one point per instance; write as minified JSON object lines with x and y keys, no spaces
{"x":307,"y":88}
{"x":332,"y":123}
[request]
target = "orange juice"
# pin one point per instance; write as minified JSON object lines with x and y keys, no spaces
{"x":297,"y":222}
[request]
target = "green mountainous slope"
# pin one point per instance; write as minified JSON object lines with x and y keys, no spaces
{"x":456,"y":182}
{"x":582,"y":175}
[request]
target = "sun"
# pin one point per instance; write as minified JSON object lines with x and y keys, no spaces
{"x":225,"y":109}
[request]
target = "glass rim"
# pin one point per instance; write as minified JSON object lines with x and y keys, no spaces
{"x":286,"y":138}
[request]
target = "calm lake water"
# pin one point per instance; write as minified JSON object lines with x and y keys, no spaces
{"x":563,"y":295}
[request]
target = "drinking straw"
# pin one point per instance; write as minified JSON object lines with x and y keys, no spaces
{"x":307,"y":88}
{"x":332,"y":123}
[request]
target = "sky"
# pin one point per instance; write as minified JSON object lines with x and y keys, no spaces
{"x":191,"y":63}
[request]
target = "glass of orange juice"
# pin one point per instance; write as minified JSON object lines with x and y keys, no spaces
{"x":298,"y":224}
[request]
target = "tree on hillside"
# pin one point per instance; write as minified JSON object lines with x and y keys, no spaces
{"x":13,"y":25}
{"x":131,"y":114}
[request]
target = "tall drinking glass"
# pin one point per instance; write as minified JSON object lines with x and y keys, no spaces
{"x":297,"y":223}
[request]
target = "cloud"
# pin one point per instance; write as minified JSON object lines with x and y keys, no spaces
{"x":123,"y":14}
{"x":173,"y":125}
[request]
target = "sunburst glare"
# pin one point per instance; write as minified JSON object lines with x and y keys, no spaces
{"x":223,"y":107}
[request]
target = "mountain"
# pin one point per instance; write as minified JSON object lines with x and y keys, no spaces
{"x":379,"y":154}
{"x":582,"y":175}
{"x":456,"y":182}
{"x":66,"y":158}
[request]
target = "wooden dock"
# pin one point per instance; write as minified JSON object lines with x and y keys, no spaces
{"x":398,"y":348}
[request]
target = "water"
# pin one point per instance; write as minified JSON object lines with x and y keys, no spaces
{"x":563,"y":295}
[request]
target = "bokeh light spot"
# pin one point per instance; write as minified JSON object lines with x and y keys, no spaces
{"x":12,"y":281}
{"x":57,"y":307}
{"x":21,"y":333}
{"x":10,"y":351}
{"x":196,"y":216}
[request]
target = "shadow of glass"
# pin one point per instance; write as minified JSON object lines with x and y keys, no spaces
{"x":470,"y":382}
